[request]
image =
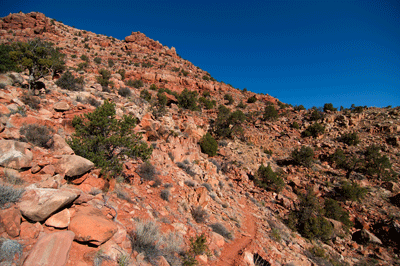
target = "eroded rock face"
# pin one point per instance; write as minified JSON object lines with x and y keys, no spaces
{"x":40,"y":203}
{"x":15,"y":154}
{"x":74,"y":165}
{"x":51,"y":250}
{"x":92,"y":227}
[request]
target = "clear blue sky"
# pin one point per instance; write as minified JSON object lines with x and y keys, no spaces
{"x":306,"y":52}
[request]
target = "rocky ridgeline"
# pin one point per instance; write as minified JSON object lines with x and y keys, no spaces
{"x":69,"y":214}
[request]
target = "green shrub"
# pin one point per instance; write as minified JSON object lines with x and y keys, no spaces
{"x":206,"y":77}
{"x":352,"y":191}
{"x":38,"y":135}
{"x":350,"y":138}
{"x":228,"y":124}
{"x":329,"y":107}
{"x":85,"y":58}
{"x":110,"y":62}
{"x":198,"y":246}
{"x":104,"y":140}
{"x":268,"y":179}
{"x":304,"y":156}
{"x":208,"y":145}
{"x":145,"y":94}
{"x":6,"y":62}
{"x":334,"y":211}
{"x":316,"y":115}
{"x":270,"y":113}
{"x":104,"y":78}
{"x":137,"y":83}
{"x":314,"y":130}
{"x":9,"y":194}
{"x":68,"y":82}
{"x":188,"y":100}
{"x":122,"y":72}
{"x":97,"y":60}
{"x":377,"y":164}
{"x":221,"y":230}
{"x":295,"y":125}
{"x":146,"y":64}
{"x":299,"y":107}
{"x":153,"y":87}
{"x":308,"y":219}
{"x":252,"y":99}
{"x":208,"y":104}
{"x":228,"y":98}
{"x":241,"y":105}
{"x":82,"y":66}
{"x":124,"y":92}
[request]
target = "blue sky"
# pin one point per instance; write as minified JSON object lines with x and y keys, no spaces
{"x":306,"y":52}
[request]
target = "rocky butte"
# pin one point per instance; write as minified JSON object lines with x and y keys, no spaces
{"x":233,"y":177}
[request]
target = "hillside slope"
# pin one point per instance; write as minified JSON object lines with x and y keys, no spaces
{"x":70,"y":213}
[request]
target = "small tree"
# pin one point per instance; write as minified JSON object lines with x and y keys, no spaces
{"x":329,"y":107}
{"x":104,"y":78}
{"x":209,"y":145}
{"x":304,"y":156}
{"x":68,"y":82}
{"x":350,"y":138}
{"x":104,"y":140}
{"x":268,"y":179}
{"x":229,"y":98}
{"x":227,"y":123}
{"x":252,"y":99}
{"x":188,"y":100}
{"x":270,"y":113}
{"x":314,"y":130}
{"x":39,"y":57}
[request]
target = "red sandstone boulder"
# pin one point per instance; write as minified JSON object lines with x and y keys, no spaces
{"x":10,"y":220}
{"x":15,"y":154}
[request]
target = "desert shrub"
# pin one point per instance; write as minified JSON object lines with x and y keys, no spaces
{"x":308,"y":219}
{"x":165,"y":194}
{"x":9,"y":194}
{"x":125,"y":92}
{"x":68,"y":82}
{"x":329,"y":107}
{"x":198,"y":246}
{"x":356,"y":109}
{"x":299,"y":107}
{"x":146,"y":239}
{"x":189,"y":183}
{"x":228,"y":98}
{"x":208,"y":104}
{"x":10,"y":252}
{"x":38,"y":135}
{"x":93,"y":102}
{"x":252,"y":99}
{"x":270,"y":113}
{"x":352,"y":191}
{"x":350,"y":138}
{"x":110,"y":62}
{"x":147,"y":171}
{"x":31,"y":100}
{"x":122,"y":73}
{"x":188,"y":100}
{"x":221,"y":230}
{"x":241,"y":105}
{"x":104,"y":78}
{"x":85,"y":58}
{"x":228,"y":124}
{"x":206,"y":77}
{"x":105,"y":140}
{"x":334,"y":211}
{"x":207,"y":186}
{"x":6,"y":62}
{"x":145,"y":94}
{"x":199,"y":214}
{"x":377,"y":164}
{"x":314,"y":130}
{"x":97,"y":60}
{"x":136,"y":83}
{"x":304,"y":156}
{"x":208,"y":145}
{"x":295,"y":125}
{"x":316,"y":114}
{"x":153,"y":87}
{"x":146,"y":64}
{"x":268,"y":179}
{"x":160,"y":109}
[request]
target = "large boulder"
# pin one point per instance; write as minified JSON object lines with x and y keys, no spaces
{"x":364,"y":236}
{"x":92,"y":227}
{"x":15,"y":154}
{"x":51,"y":250}
{"x":73,"y":165}
{"x":60,"y":146}
{"x":10,"y":220}
{"x":40,"y":203}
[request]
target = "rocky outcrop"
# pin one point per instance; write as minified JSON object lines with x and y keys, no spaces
{"x":15,"y":154}
{"x":73,"y":165}
{"x":39,"y":203}
{"x":51,"y":250}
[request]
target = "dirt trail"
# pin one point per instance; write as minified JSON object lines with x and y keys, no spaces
{"x":232,"y":252}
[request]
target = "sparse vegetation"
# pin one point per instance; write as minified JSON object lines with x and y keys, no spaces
{"x":350,"y":138}
{"x":352,"y":191}
{"x":188,"y":100}
{"x":124,"y":92}
{"x":68,"y":82}
{"x":252,"y":99}
{"x":9,"y":194}
{"x":38,"y":135}
{"x":209,"y":145}
{"x":268,"y":179}
{"x":221,"y":229}
{"x":199,"y":214}
{"x":10,"y":252}
{"x":270,"y":113}
{"x":228,"y":98}
{"x":314,"y":130}
{"x":304,"y":156}
{"x":104,"y":140}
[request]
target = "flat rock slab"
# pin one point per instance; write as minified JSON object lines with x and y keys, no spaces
{"x":15,"y":154}
{"x":51,"y":250}
{"x":73,"y":165}
{"x":60,"y":219}
{"x":92,"y":227}
{"x":40,"y":203}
